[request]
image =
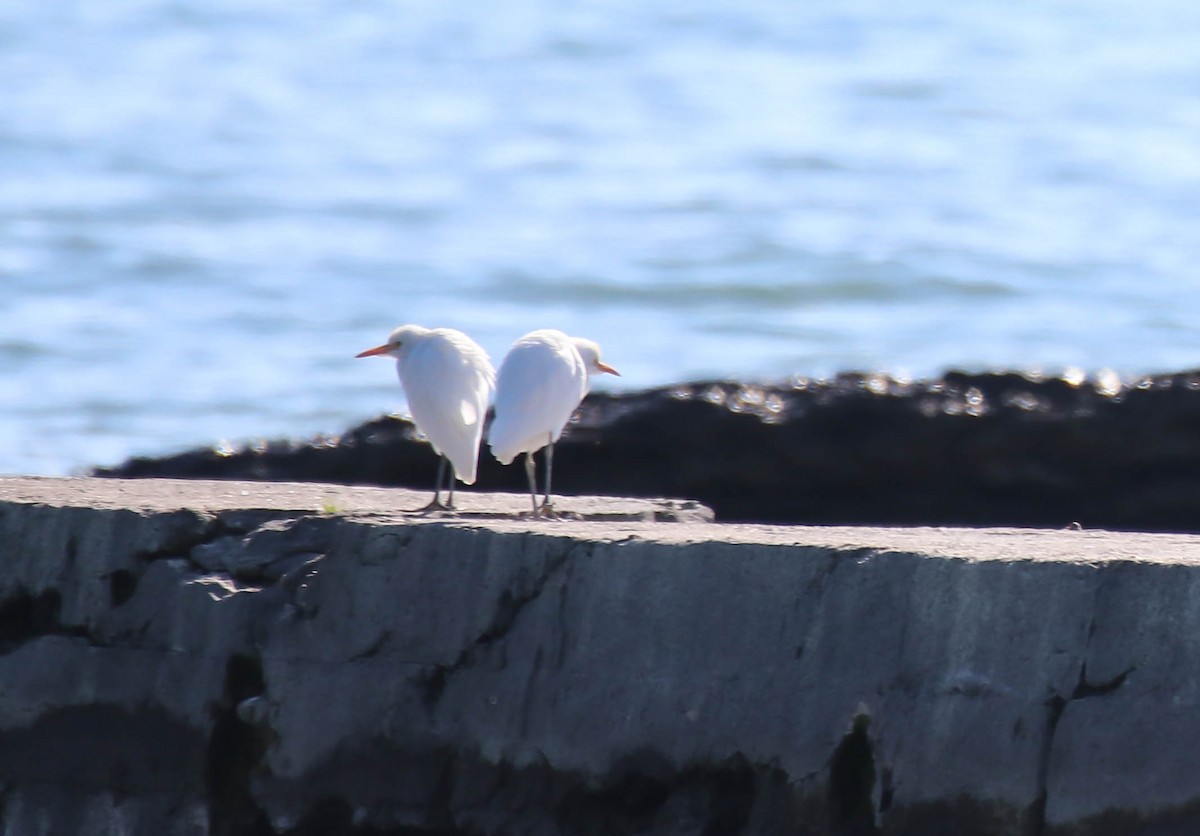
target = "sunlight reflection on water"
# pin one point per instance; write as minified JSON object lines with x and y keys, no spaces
{"x":207,"y":209}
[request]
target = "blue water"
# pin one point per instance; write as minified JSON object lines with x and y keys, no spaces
{"x":207,"y":208}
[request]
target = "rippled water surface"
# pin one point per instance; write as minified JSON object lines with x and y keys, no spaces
{"x":206,"y":209}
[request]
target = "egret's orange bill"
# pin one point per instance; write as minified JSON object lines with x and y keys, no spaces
{"x":604,"y":367}
{"x":371,"y":352}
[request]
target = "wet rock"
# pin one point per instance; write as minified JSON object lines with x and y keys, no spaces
{"x":966,"y":449}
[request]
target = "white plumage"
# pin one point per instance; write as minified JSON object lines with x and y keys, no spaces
{"x":448,"y":380}
{"x":543,"y":378}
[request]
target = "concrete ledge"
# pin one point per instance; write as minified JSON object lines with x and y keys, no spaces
{"x":215,"y":657}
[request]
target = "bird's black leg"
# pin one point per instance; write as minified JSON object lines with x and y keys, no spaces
{"x":436,"y":503}
{"x":530,"y":474}
{"x":437,"y":481}
{"x":450,"y":478}
{"x":547,"y":508}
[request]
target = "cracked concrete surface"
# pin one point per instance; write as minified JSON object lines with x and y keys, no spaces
{"x":224,"y":658}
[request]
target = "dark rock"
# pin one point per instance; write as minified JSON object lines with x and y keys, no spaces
{"x":968,"y":449}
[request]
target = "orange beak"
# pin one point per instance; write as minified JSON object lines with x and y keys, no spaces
{"x":376,"y":351}
{"x":607,"y":369}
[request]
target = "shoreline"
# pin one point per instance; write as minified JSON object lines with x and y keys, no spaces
{"x":995,"y":449}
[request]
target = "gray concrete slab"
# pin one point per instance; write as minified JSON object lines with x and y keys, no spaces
{"x":305,"y":658}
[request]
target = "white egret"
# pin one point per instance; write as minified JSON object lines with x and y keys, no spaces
{"x":448,"y":380}
{"x":540,"y":383}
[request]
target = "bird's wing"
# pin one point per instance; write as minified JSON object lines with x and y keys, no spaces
{"x":448,"y":383}
{"x":538,"y":387}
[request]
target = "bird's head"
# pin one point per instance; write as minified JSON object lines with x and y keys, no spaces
{"x":590,"y":354}
{"x":399,"y":342}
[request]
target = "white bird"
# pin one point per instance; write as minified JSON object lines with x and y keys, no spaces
{"x":448,"y":380}
{"x":541,"y":381}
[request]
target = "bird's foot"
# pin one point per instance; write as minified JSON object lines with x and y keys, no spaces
{"x":436,"y":507}
{"x":542,"y":512}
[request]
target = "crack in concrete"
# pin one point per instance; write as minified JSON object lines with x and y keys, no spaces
{"x":194,"y":529}
{"x":182,"y":543}
{"x":1057,"y":704}
{"x":564,"y":635}
{"x":234,"y":751}
{"x":849,"y":790}
{"x":26,"y":617}
{"x":246,"y":532}
{"x":373,"y":648}
{"x":816,"y":587}
{"x":508,"y":610}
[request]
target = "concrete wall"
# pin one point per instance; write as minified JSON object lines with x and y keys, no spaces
{"x":234,"y":658}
